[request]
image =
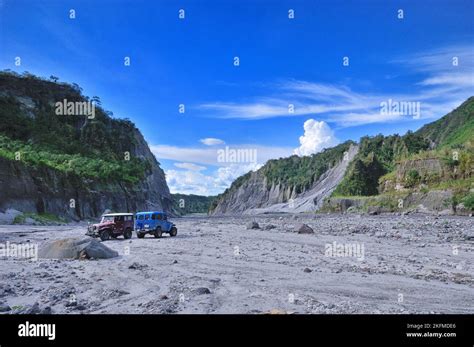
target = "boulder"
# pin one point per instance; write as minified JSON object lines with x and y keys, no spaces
{"x":373,"y":210}
{"x":137,"y":266}
{"x":5,"y":308}
{"x":253,"y":225}
{"x":304,"y":229}
{"x":469,"y":235}
{"x":201,"y":291}
{"x":8,"y":216}
{"x":72,"y":248}
{"x":462,"y":210}
{"x":33,"y":309}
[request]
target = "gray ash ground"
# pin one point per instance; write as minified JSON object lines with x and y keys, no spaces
{"x":412,"y":264}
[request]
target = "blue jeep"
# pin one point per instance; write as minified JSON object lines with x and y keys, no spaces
{"x":155,"y":223}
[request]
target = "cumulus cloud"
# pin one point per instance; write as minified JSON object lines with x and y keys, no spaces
{"x":206,"y":180}
{"x":190,"y":182}
{"x":317,"y":135}
{"x":196,"y":182}
{"x":227,"y":174}
{"x":213,"y":178}
{"x":211,"y":141}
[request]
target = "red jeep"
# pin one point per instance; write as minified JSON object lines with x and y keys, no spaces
{"x":112,"y":225}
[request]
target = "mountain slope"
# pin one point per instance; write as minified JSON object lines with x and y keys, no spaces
{"x":457,"y":127}
{"x":375,"y":158}
{"x":71,"y":165}
{"x":435,"y":162}
{"x":449,"y":137}
{"x":431,"y":169}
{"x":286,"y":185}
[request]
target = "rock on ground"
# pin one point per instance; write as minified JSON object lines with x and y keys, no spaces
{"x":253,"y":225}
{"x":73,"y":248}
{"x":304,"y":229}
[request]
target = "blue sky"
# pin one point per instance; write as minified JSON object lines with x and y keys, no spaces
{"x":283,"y":61}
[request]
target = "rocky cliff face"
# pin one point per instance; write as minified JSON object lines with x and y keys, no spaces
{"x":425,"y":167}
{"x":256,"y":196}
{"x":40,"y":187}
{"x":44,"y":190}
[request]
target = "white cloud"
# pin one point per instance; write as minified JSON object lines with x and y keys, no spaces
{"x":190,"y":166}
{"x":455,"y":79}
{"x":211,"y":141}
{"x":440,"y":59}
{"x":209,"y":156}
{"x":195,"y":182}
{"x":317,"y":136}
{"x":206,"y":156}
{"x":192,"y":180}
{"x":227,"y":174}
{"x":257,"y":110}
{"x":440,"y":87}
{"x":441,"y":84}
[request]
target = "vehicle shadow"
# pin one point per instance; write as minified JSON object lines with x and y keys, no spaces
{"x":164,"y":237}
{"x":151,"y":237}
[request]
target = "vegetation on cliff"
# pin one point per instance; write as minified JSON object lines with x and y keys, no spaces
{"x":301,"y":172}
{"x":376,"y":157}
{"x":448,"y":142}
{"x":184,"y":204}
{"x":297,"y":173}
{"x":30,"y":130}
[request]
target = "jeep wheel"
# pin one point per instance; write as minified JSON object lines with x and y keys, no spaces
{"x":140,"y":235}
{"x":105,"y":235}
{"x":158,"y":232}
{"x":127,"y":234}
{"x":173,"y":231}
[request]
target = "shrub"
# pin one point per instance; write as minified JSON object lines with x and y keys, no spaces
{"x":413,"y":178}
{"x":468,"y":201}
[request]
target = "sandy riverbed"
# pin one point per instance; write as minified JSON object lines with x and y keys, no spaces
{"x":411,"y":264}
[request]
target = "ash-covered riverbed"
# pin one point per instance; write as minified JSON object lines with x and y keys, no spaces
{"x":350,"y":264}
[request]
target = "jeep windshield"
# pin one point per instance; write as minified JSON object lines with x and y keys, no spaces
{"x":106,"y":219}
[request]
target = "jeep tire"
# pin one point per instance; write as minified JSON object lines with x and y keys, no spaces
{"x":140,"y":235}
{"x":173,"y":231}
{"x":127,"y":234}
{"x":105,"y":235}
{"x":158,"y":232}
